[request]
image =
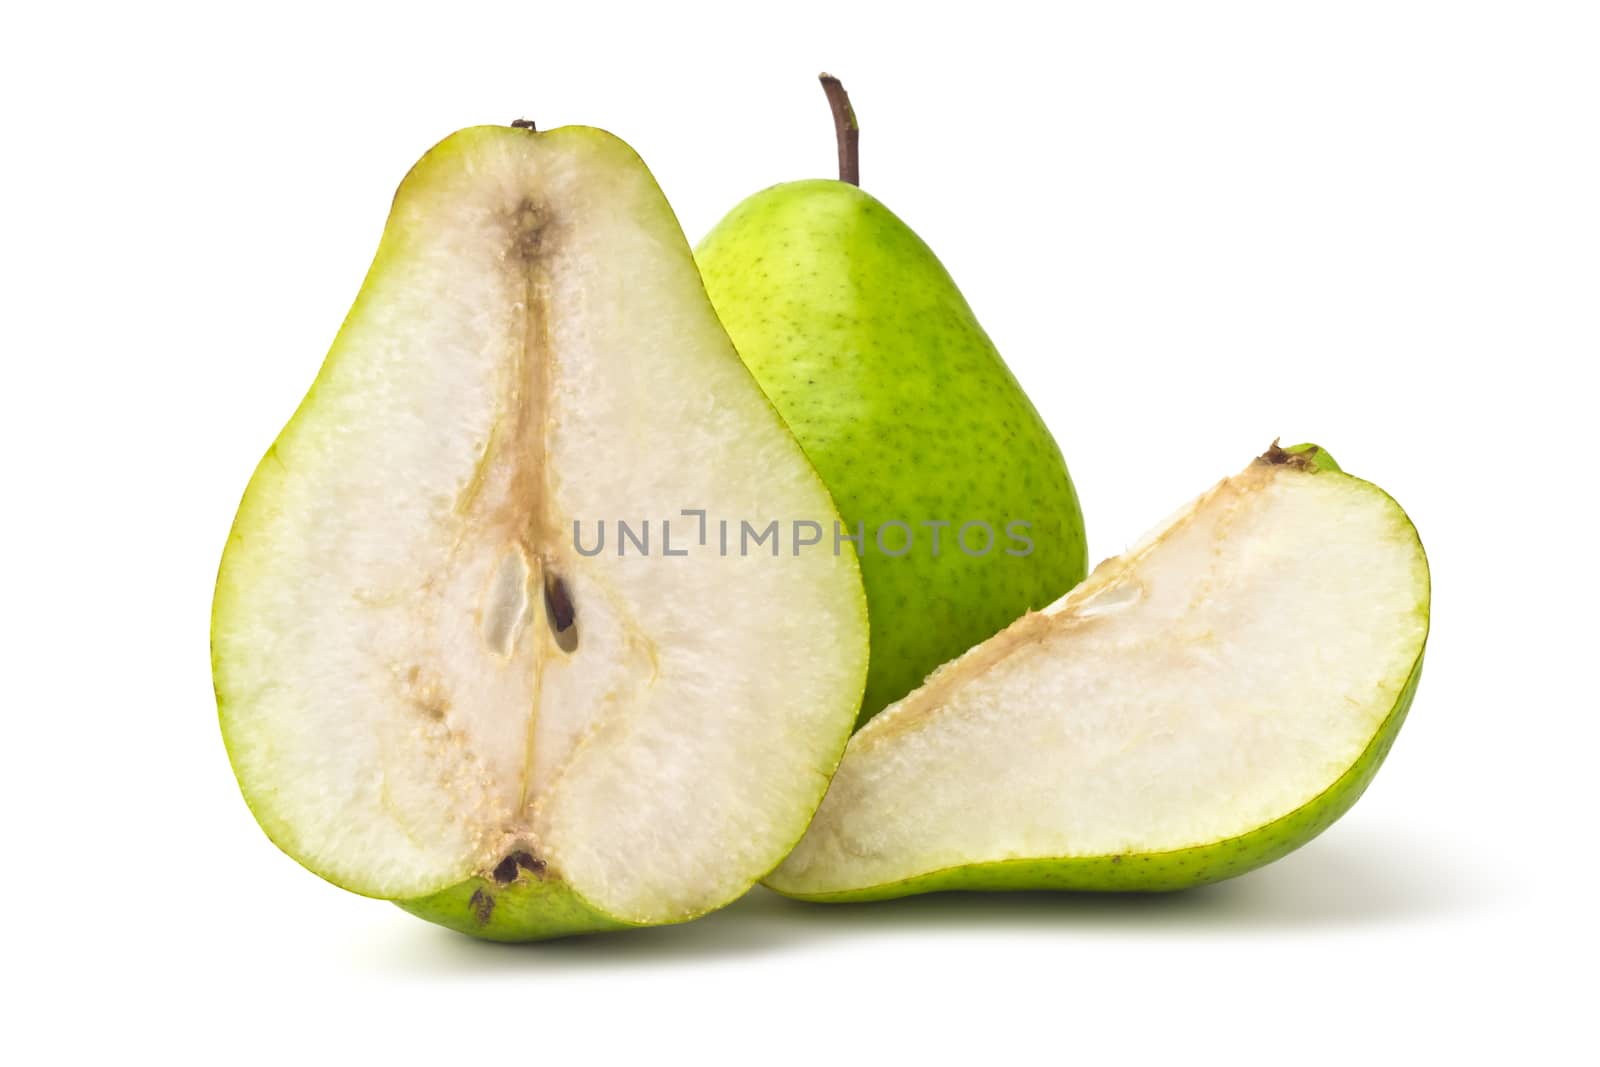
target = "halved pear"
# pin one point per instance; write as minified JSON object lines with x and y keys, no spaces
{"x":1198,"y":707}
{"x":431,"y":688}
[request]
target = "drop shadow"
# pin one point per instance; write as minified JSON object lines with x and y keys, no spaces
{"x":1341,"y":881}
{"x":760,"y":923}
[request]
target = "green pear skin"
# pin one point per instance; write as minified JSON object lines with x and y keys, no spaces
{"x":865,"y":345}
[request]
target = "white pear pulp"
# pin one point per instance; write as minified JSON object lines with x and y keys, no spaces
{"x":533,"y":349}
{"x":1223,"y":673}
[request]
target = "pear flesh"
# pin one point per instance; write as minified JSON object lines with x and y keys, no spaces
{"x":428,"y":693}
{"x":1199,"y":706}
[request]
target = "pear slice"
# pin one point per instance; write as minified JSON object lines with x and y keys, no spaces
{"x":1198,"y":707}
{"x":432,"y":688}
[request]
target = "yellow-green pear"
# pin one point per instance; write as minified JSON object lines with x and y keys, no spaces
{"x":963,"y":511}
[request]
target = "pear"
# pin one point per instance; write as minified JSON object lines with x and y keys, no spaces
{"x":1198,"y":707}
{"x":954,"y":491}
{"x":470,"y":653}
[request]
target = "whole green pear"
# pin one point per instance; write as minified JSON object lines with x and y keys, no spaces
{"x":960,"y":502}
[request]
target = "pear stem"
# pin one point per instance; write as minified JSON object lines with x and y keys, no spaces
{"x":845,"y":129}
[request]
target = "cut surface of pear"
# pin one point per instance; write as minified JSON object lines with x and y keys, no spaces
{"x":1197,"y":707}
{"x":429,"y":693}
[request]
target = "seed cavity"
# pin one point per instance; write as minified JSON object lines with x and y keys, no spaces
{"x":505,"y":605}
{"x":560,"y":613}
{"x":1109,"y":601}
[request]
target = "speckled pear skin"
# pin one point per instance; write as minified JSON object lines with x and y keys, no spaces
{"x":866,"y":347}
{"x":532,"y":906}
{"x":1163,"y":871}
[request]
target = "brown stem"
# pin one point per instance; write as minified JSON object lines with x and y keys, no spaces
{"x":845,"y":129}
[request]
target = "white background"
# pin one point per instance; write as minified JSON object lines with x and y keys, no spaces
{"x":1189,"y":227}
